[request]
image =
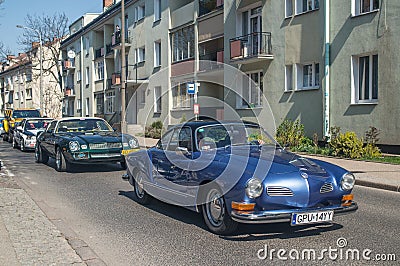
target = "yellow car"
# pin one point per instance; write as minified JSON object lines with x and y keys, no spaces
{"x":13,"y":116}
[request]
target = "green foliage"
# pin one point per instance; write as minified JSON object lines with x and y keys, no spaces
{"x":347,"y":145}
{"x":290,"y":133}
{"x":154,"y":130}
{"x":183,"y":119}
{"x":371,"y":135}
{"x":371,"y":151}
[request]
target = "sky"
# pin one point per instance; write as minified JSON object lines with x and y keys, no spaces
{"x":13,"y":12}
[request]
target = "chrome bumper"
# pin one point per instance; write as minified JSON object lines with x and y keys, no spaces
{"x":280,"y":216}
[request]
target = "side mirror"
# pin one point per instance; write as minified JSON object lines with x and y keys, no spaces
{"x":182,"y":150}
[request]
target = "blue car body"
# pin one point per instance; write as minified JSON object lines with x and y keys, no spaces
{"x":290,"y":184}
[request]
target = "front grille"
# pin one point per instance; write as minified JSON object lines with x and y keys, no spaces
{"x":104,"y":146}
{"x":276,"y":191}
{"x":104,"y":155}
{"x":327,"y":187}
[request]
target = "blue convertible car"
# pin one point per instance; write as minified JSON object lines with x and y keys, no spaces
{"x":234,"y":172}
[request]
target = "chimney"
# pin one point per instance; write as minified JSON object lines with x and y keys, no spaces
{"x":107,"y":4}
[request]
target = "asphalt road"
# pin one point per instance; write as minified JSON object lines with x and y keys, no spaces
{"x":98,"y":207}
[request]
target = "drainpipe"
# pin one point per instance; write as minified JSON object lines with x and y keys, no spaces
{"x":327,"y":69}
{"x":82,"y":73}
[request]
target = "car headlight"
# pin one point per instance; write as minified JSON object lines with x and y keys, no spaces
{"x":348,"y":181}
{"x":133,"y":143}
{"x":254,"y":188}
{"x":74,"y":146}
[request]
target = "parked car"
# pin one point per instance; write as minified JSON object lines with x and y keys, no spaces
{"x":234,"y":172}
{"x":83,"y":141}
{"x":13,"y":116}
{"x":1,"y":126}
{"x":25,"y":132}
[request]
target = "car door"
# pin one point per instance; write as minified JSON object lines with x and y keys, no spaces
{"x":47,"y":139}
{"x":18,"y":132}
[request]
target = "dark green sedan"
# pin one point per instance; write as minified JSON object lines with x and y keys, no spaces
{"x":83,"y":141}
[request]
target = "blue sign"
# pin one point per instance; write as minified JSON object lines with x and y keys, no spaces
{"x":191,"y":88}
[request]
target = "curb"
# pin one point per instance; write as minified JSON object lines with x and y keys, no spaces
{"x":378,"y":185}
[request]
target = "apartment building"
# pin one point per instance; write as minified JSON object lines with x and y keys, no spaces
{"x":327,"y":63}
{"x":20,"y":82}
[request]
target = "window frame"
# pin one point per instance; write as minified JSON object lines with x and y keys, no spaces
{"x":110,"y":102}
{"x":356,"y":6}
{"x":140,"y":55}
{"x":299,"y":6}
{"x":178,"y":99}
{"x":372,"y":73}
{"x":157,"y":53}
{"x":99,"y":70}
{"x":289,"y":77}
{"x":299,"y":76}
{"x":157,"y":10}
{"x":182,"y":40}
{"x":157,"y":99}
{"x":248,"y":88}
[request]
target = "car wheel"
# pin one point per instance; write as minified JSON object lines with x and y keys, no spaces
{"x":141,"y":195}
{"x":40,"y":156}
{"x":215,"y":213}
{"x":10,"y":138}
{"x":62,"y":164}
{"x":14,"y":143}
{"x":4,"y":137}
{"x":22,"y":145}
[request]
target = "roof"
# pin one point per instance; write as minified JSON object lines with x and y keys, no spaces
{"x":78,"y":118}
{"x":200,"y":123}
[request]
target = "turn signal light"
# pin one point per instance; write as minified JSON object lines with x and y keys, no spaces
{"x":243,"y":206}
{"x":346,"y":199}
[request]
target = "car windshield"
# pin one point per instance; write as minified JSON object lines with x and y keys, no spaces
{"x":26,"y":113}
{"x":83,"y":125}
{"x":36,"y":124}
{"x":218,"y":136}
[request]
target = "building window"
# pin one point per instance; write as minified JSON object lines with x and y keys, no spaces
{"x":157,"y":100}
{"x":307,"y":76}
{"x":182,"y":42}
{"x":110,"y":102}
{"x":180,"y":97}
{"x":288,"y":8}
{"x":157,"y":53}
{"x":306,"y":5}
{"x":79,"y":105}
{"x":87,"y":45}
{"x":139,"y":12}
{"x":100,"y":103}
{"x":157,"y":10}
{"x":365,"y":79}
{"x":142,"y":96}
{"x":252,"y":90}
{"x":28,"y":93}
{"x":289,"y":78}
{"x":140,"y":54}
{"x":28,"y":77}
{"x":87,"y":76}
{"x":78,"y":76}
{"x":70,"y":107}
{"x":360,"y":7}
{"x":87,"y":107}
{"x":99,"y":68}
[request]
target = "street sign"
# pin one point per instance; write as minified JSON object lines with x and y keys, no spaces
{"x":196,"y":108}
{"x":191,"y":88}
{"x":71,"y":54}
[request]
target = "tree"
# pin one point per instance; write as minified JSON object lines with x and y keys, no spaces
{"x":53,"y":29}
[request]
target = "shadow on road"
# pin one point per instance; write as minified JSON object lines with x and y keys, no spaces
{"x":246,"y":232}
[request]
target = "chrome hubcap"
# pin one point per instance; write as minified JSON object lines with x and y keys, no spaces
{"x":58,"y":160}
{"x":215,"y":207}
{"x":139,"y":186}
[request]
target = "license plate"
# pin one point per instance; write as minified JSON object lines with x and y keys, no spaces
{"x":311,"y":217}
{"x":125,"y":152}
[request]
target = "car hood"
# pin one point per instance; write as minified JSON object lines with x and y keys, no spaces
{"x":33,"y":132}
{"x":97,"y":137}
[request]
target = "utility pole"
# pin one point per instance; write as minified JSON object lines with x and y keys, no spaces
{"x":123,"y":70}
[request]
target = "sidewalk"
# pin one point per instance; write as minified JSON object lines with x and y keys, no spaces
{"x":27,"y":235}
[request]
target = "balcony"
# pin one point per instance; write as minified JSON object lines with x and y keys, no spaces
{"x":250,"y":48}
{"x":69,"y":91}
{"x":207,"y":6}
{"x":69,"y":64}
{"x":211,"y":61}
{"x":109,"y":51}
{"x":116,"y":79}
{"x":99,"y":53}
{"x":116,"y":41}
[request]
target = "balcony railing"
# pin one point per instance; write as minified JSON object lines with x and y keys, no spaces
{"x":99,"y":53}
{"x":69,"y":90}
{"x":69,"y":64}
{"x":207,"y":6}
{"x":116,"y":39}
{"x":211,"y":60}
{"x":108,"y":49}
{"x":116,"y":79}
{"x":257,"y":44}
